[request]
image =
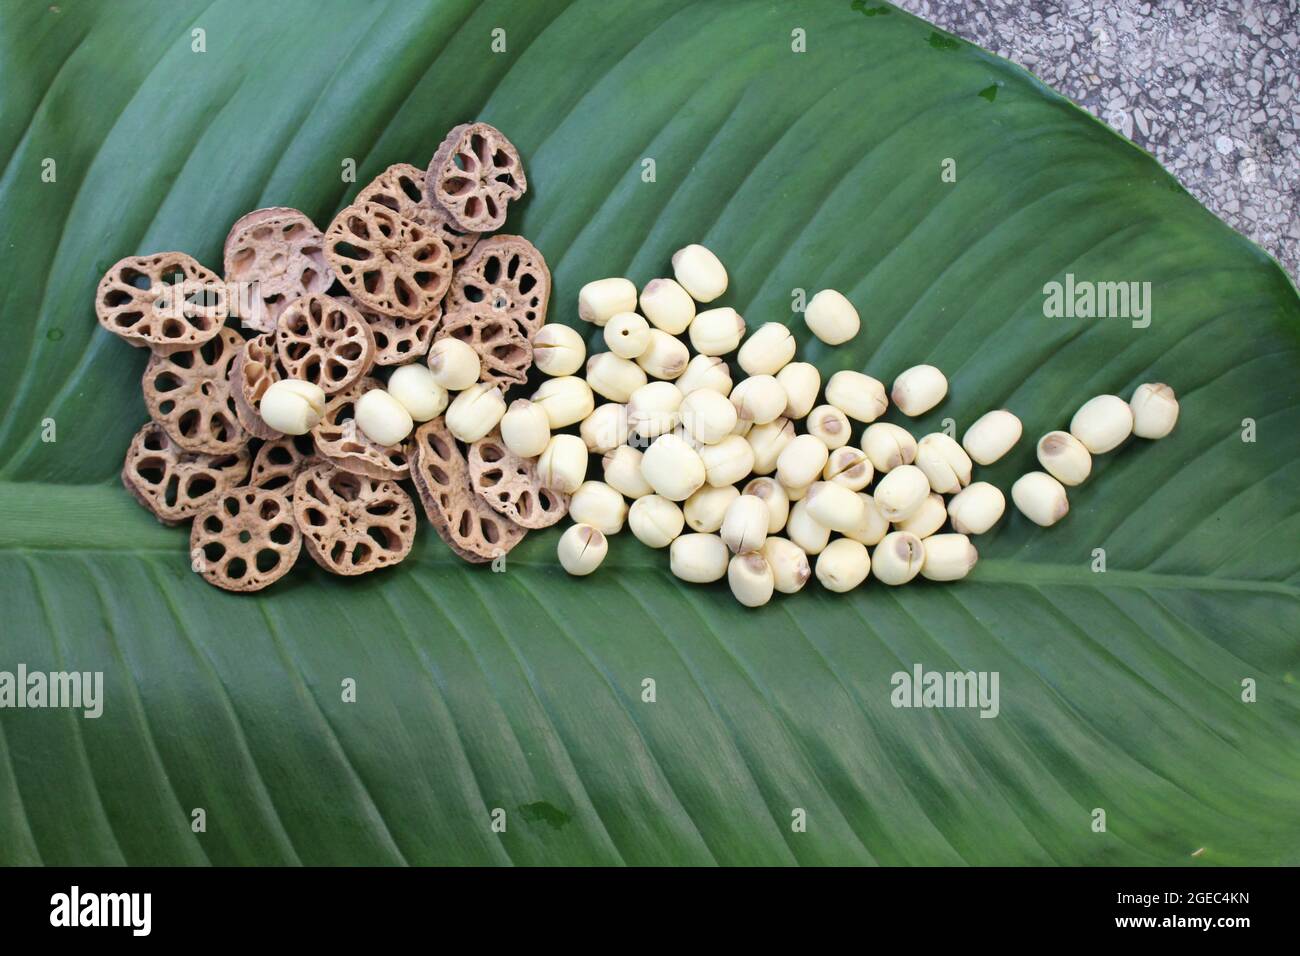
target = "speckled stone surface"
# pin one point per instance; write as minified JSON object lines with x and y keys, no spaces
{"x":1212,"y":89}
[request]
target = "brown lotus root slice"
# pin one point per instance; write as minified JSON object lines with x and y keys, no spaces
{"x":352,"y":524}
{"x":273,"y":256}
{"x":254,"y":370}
{"x":400,"y":187}
{"x":398,"y":340}
{"x":505,"y":354}
{"x":245,"y":540}
{"x":464,"y":520}
{"x":324,"y":341}
{"x":340,"y":442}
{"x":166,"y":302}
{"x":509,"y":484}
{"x":176,"y":484}
{"x":506,"y":276}
{"x":394,"y":265}
{"x":189,"y":394}
{"x":278,"y":462}
{"x":474,"y":175}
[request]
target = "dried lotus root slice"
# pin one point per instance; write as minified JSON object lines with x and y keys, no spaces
{"x":324,"y":341}
{"x":254,"y":370}
{"x":352,"y":524}
{"x":275,"y":255}
{"x":505,"y":276}
{"x":340,"y":442}
{"x":505,"y":355}
{"x":474,"y":175}
{"x":176,"y":484}
{"x":509,"y":484}
{"x":388,"y":263}
{"x":400,"y":187}
{"x":246,"y":540}
{"x":278,"y":462}
{"x":189,"y":394}
{"x":398,"y":340}
{"x":464,"y":520}
{"x":166,"y":302}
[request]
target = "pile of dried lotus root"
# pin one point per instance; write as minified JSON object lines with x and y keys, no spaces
{"x":408,"y":263}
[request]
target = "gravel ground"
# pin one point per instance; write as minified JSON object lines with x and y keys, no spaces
{"x":1212,"y":89}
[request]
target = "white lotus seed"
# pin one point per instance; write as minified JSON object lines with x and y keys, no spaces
{"x":627,"y":335}
{"x":767,"y":442}
{"x":833,"y":505}
{"x":859,"y":396}
{"x":993,"y":435}
{"x":655,"y":521}
{"x":622,"y":468}
{"x":707,"y":416}
{"x":525,"y":429}
{"x":613,"y":377}
{"x":976,"y":508}
{"x":1064,"y":457}
{"x":767,"y":351}
{"x":873,"y":526}
{"x":801,"y":462}
{"x":717,"y":331}
{"x":898,"y":558}
{"x":830,"y":425}
{"x":848,"y":467}
{"x":455,"y":365}
{"x":475,"y":411}
{"x":946,"y":465}
{"x":796,"y":493}
{"x":566,"y":400}
{"x":789,"y":564}
{"x":581,"y":549}
{"x":601,"y":300}
{"x":667,"y":305}
{"x":416,"y":390}
{"x":927,"y":519}
{"x":292,"y":406}
{"x":652,"y":410}
{"x":744,"y":527}
{"x":843,"y":565}
{"x":727,"y":462}
{"x":805,"y":530}
{"x":772,"y":494}
{"x":900,"y":492}
{"x":750,"y":578}
{"x":673,"y":468}
{"x":666,"y":357}
{"x":888,"y":445}
{"x":831,"y":317}
{"x":1102,"y":423}
{"x":759,"y":399}
{"x":558,"y":349}
{"x":918,"y":390}
{"x":948,"y":557}
{"x":707,"y":508}
{"x":1040,"y":498}
{"x":1155,"y":410}
{"x":597,"y":504}
{"x":700,"y":273}
{"x":605,"y":428}
{"x":382,"y":418}
{"x":706,"y":371}
{"x":698,"y":558}
{"x":562,"y":465}
{"x":801,"y":382}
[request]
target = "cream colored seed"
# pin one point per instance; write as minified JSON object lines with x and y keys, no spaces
{"x":665,"y":357}
{"x":831,"y":317}
{"x":667,"y":305}
{"x":1155,"y":410}
{"x":901,"y":492}
{"x":601,"y":300}
{"x":801,"y":461}
{"x":898,"y":558}
{"x":700,"y":273}
{"x":655,"y":521}
{"x":805,"y":530}
{"x":418,"y":392}
{"x":292,"y":406}
{"x":789,"y":564}
{"x":717,"y":331}
{"x":1064,"y":458}
{"x":801,"y":382}
{"x":993,"y":435}
{"x":698,"y":558}
{"x":382,"y":418}
{"x":597,"y":504}
{"x":848,"y":467}
{"x":918,"y":390}
{"x":1040,"y":498}
{"x":797,"y":493}
{"x":948,"y":557}
{"x":707,"y":508}
{"x":706,"y":371}
{"x":622,"y":468}
{"x":727,"y":462}
{"x":767,"y":351}
{"x":566,"y":400}
{"x":843,"y":565}
{"x":475,"y":412}
{"x":673,"y":468}
{"x":767,"y":442}
{"x":947,"y":467}
{"x":976,"y":508}
{"x":605,"y":428}
{"x":758,"y":399}
{"x":744,"y":527}
{"x":751,"y":579}
{"x":558,"y":349}
{"x":562,"y":465}
{"x":772,"y":494}
{"x":627,"y":335}
{"x":927,"y":519}
{"x":830,"y":425}
{"x":653,"y":409}
{"x":581,"y":549}
{"x":873,"y":526}
{"x":525,"y":428}
{"x":455,"y":365}
{"x":707,"y":416}
{"x":888,"y":445}
{"x":834,"y":506}
{"x":859,"y":396}
{"x":1102,"y":423}
{"x":614,"y":378}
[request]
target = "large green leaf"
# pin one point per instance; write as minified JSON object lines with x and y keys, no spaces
{"x":523,"y":690}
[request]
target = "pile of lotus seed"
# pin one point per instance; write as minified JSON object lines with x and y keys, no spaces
{"x":688,"y":447}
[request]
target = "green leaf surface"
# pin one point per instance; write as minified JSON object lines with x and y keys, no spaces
{"x":523,"y":690}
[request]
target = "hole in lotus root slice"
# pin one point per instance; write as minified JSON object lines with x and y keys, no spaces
{"x":504,"y":353}
{"x":166,"y":302}
{"x":245,"y":540}
{"x":189,"y":394}
{"x":278,"y":462}
{"x":473,"y":177}
{"x":504,"y":276}
{"x":254,"y":370}
{"x":398,"y":340}
{"x":464,"y":520}
{"x":274,"y":255}
{"x":400,"y":187}
{"x":509,"y":484}
{"x":340,"y":442}
{"x":176,"y":484}
{"x":324,"y":341}
{"x":352,"y":523}
{"x":388,"y":263}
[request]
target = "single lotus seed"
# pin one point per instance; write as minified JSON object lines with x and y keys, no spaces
{"x":848,"y":467}
{"x":566,"y":400}
{"x":927,"y":519}
{"x":833,"y":506}
{"x":831,"y":317}
{"x":898,"y":558}
{"x":1040,"y":498}
{"x":1064,"y":458}
{"x":789,"y":564}
{"x":873,"y":526}
{"x":418,"y":392}
{"x":767,"y":351}
{"x":673,"y":468}
{"x":665,"y":357}
{"x":1155,"y":410}
{"x":622,"y":468}
{"x":558,"y":349}
{"x":901,"y":492}
{"x":759,"y":399}
{"x":751,"y":579}
{"x":887,"y":446}
{"x":603,"y":299}
{"x":655,"y":521}
{"x":717,"y":331}
{"x":605,"y":428}
{"x":946,"y":465}
{"x":976,"y":508}
{"x":627,"y":335}
{"x":805,"y":530}
{"x":652,"y":410}
{"x":525,"y":428}
{"x":801,"y":461}
{"x":475,"y":412}
{"x":767,"y":442}
{"x":918,"y":390}
{"x":706,"y":371}
{"x":698,"y":558}
{"x":859,"y":396}
{"x":667,"y":305}
{"x":744,"y":527}
{"x":707,"y":508}
{"x":801,"y":382}
{"x":830,"y":425}
{"x":382,"y":418}
{"x":562,"y":466}
{"x":456,"y":366}
{"x":613,"y":377}
{"x":581,"y":549}
{"x":1102,"y":423}
{"x":948,"y":557}
{"x":993,"y":435}
{"x":727,"y":462}
{"x":773,"y":494}
{"x":707,"y":416}
{"x":843,"y":565}
{"x":700,"y":273}
{"x":292,"y":406}
{"x":597,"y":504}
